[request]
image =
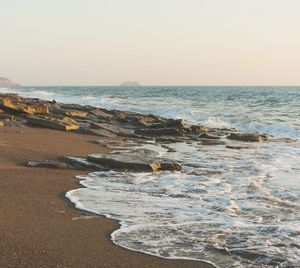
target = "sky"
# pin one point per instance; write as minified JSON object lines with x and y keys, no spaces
{"x":154,"y":42}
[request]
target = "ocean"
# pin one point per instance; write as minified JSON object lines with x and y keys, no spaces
{"x":233,"y":208}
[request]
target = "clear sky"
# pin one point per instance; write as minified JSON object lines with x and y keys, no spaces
{"x":154,"y":42}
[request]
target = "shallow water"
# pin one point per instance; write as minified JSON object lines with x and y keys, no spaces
{"x":235,"y":208}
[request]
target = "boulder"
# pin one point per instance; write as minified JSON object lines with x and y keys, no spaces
{"x":248,"y":137}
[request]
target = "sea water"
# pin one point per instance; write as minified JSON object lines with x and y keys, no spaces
{"x":233,"y":208}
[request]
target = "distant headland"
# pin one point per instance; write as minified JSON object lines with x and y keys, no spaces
{"x":130,"y":84}
{"x":5,"y":82}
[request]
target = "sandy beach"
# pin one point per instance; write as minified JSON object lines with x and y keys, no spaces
{"x":38,"y":226}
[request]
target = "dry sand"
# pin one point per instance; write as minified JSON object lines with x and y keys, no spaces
{"x":38,"y":226}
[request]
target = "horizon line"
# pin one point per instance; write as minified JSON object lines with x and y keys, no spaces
{"x":209,"y":85}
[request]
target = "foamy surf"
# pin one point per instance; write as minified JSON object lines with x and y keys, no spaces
{"x":238,"y":216}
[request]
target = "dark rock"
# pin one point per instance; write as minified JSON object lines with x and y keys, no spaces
{"x":205,"y":172}
{"x":212,"y":142}
{"x":125,"y":162}
{"x":248,"y":137}
{"x":171,"y":123}
{"x":82,"y":163}
{"x":239,"y":147}
{"x":211,"y":137}
{"x":134,"y":161}
{"x":76,"y":107}
{"x":49,"y":164}
{"x":160,"y":131}
{"x":171,"y":166}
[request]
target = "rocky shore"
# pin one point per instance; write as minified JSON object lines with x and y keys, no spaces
{"x":114,"y":124}
{"x":113,"y":139}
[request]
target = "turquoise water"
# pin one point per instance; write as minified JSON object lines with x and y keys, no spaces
{"x":234,"y":208}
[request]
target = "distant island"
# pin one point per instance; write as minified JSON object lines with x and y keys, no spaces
{"x":130,"y":84}
{"x":5,"y":82}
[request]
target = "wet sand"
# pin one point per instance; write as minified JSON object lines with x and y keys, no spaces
{"x":38,"y":226}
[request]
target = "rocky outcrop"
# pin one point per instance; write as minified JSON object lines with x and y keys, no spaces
{"x":86,"y":119}
{"x":16,"y":105}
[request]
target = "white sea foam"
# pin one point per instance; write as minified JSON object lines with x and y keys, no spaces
{"x":205,"y":215}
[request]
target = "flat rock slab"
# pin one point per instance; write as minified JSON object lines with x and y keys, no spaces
{"x":239,"y":147}
{"x":49,"y":122}
{"x":133,"y":162}
{"x":125,"y":162}
{"x":82,"y":163}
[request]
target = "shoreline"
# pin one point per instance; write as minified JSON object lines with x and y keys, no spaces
{"x":68,"y":140}
{"x":38,"y":226}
